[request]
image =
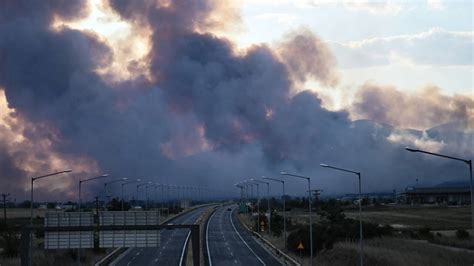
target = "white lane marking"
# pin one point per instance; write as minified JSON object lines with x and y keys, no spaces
{"x":207,"y":239}
{"x":192,"y":215}
{"x":235,"y":229}
{"x":184,"y":248}
{"x":187,"y":239}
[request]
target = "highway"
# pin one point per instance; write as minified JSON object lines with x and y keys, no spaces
{"x":229,"y":243}
{"x":171,"y":250}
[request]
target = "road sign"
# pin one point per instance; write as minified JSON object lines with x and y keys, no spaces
{"x":300,"y":246}
{"x":68,"y":239}
{"x":130,"y":218}
{"x":129,"y":238}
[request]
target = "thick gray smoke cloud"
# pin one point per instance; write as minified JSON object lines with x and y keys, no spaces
{"x":211,"y":117}
{"x":422,"y":109}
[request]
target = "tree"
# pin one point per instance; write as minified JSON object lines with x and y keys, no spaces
{"x":277,"y":224}
{"x":116,"y":205}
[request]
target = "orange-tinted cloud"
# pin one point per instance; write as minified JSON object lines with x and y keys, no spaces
{"x":420,"y":109}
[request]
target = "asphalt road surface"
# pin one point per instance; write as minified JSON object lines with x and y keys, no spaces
{"x":171,"y":249}
{"x":228,"y":243}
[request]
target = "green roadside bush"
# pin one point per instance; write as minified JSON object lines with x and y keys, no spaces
{"x":10,"y":242}
{"x":462,"y":234}
{"x":326,"y":234}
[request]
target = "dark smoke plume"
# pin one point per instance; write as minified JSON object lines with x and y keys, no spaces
{"x":209,"y":116}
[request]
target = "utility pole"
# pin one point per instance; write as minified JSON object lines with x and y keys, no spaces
{"x":316,"y":193}
{"x":97,"y":206}
{"x":4,"y":196}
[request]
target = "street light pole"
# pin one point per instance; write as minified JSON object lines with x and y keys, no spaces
{"x":360,"y":207}
{"x":258,"y":203}
{"x":241,"y":191}
{"x":5,"y":196}
{"x":284,"y":207}
{"x":310,"y":218}
{"x":469,"y":163}
{"x":138,"y":186}
{"x":126,"y":183}
{"x":107,"y":193}
{"x":80,"y":213}
{"x":87,"y":180}
{"x":146,"y":194}
{"x":268,"y":204}
{"x":156,"y":197}
{"x":31,"y":206}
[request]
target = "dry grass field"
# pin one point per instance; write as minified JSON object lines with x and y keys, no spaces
{"x":18,"y":213}
{"x":401,"y":250}
{"x":437,"y":218}
{"x":394,"y":251}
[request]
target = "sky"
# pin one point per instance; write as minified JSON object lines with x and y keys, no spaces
{"x":210,"y":93}
{"x":400,"y":43}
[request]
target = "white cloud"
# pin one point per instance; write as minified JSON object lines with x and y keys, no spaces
{"x":434,"y":47}
{"x":423,"y":142}
{"x":375,"y":7}
{"x":378,"y":7}
{"x":435,"y":4}
{"x":282,"y":18}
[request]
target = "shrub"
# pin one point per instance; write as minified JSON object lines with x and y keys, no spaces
{"x":277,"y":224}
{"x":462,"y":234}
{"x":10,"y":243}
{"x":425,"y":233}
{"x":326,"y":234}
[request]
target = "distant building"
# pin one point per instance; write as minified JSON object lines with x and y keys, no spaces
{"x":431,"y":195}
{"x":370,"y":196}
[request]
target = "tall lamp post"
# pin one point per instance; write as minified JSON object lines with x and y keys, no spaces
{"x":138,"y":186}
{"x":79,"y":208}
{"x":244,"y":188}
{"x":310,"y":218}
{"x":5,"y":198}
{"x":469,"y":163}
{"x":162,"y":201}
{"x":146,"y":194}
{"x":268,"y":203}
{"x":156,"y":197}
{"x":360,"y":207}
{"x":87,"y":180}
{"x":168,"y":198}
{"x":33,"y":179}
{"x":258,"y":202}
{"x":107,"y":193}
{"x":241,"y":191}
{"x":284,"y":203}
{"x":126,"y":183}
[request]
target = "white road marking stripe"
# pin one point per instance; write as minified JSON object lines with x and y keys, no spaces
{"x":207,"y":239}
{"x":232,"y":222}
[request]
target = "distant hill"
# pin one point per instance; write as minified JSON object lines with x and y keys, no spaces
{"x":453,"y":184}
